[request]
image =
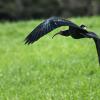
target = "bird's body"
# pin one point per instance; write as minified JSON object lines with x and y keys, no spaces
{"x":75,"y":31}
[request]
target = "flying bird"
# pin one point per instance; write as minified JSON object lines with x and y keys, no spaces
{"x":75,"y":31}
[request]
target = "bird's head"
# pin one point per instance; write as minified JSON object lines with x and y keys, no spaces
{"x":83,"y":26}
{"x":57,"y":34}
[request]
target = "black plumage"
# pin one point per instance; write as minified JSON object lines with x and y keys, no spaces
{"x":75,"y":31}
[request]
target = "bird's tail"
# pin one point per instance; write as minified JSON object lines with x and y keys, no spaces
{"x":97,"y":43}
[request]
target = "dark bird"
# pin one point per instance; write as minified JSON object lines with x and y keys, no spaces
{"x":75,"y":31}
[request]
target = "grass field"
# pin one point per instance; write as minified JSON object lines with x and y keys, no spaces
{"x":50,"y":69}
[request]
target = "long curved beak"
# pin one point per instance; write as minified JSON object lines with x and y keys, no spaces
{"x":56,"y":34}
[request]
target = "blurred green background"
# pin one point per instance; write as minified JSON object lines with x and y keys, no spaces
{"x":50,"y":69}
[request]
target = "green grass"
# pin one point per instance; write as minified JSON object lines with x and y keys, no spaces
{"x":50,"y":69}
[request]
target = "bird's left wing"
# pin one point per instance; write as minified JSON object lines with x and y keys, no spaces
{"x":46,"y":27}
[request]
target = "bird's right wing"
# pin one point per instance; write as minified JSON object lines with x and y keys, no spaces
{"x":46,"y":27}
{"x":97,"y":43}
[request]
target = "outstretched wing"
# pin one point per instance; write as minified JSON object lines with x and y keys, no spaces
{"x":97,"y":43}
{"x":46,"y":27}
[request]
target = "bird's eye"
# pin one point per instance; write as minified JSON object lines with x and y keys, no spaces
{"x":55,"y":23}
{"x":84,"y":28}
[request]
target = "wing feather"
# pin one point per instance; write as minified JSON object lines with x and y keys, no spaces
{"x":46,"y":27}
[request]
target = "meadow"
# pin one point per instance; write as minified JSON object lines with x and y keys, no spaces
{"x":50,"y":69}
